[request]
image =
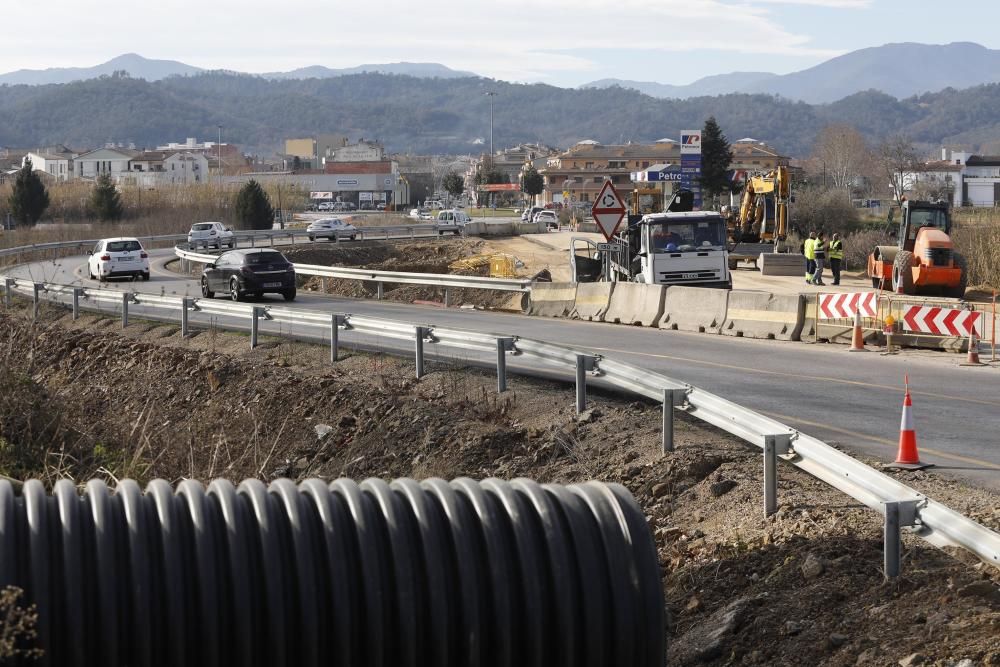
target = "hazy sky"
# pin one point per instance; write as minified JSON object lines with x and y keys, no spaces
{"x":562,"y":42}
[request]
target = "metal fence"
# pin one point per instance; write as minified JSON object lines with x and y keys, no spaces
{"x":900,"y":505}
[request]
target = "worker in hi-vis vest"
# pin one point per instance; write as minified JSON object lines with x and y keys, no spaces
{"x":836,"y":254}
{"x":809,"y":250}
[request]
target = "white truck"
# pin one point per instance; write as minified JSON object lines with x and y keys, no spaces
{"x":673,"y":248}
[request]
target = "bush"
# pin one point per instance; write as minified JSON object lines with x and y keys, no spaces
{"x":253,"y":207}
{"x":859,"y":245}
{"x":105,"y":201}
{"x":817,"y":209}
{"x":981,"y":246}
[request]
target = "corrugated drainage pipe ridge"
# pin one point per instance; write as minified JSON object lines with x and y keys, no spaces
{"x":341,"y":573}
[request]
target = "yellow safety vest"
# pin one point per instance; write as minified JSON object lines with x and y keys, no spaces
{"x":837,"y":249}
{"x":810,"y":249}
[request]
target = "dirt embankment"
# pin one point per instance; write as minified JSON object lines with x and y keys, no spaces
{"x":431,"y":256}
{"x":801,"y":588}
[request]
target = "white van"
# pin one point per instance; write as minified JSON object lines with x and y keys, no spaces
{"x":451,"y":220}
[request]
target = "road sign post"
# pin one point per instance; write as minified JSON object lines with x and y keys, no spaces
{"x":608,"y":210}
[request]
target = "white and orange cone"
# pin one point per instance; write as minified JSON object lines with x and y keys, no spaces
{"x":907,"y":458}
{"x":857,"y":336}
{"x":973,"y":358}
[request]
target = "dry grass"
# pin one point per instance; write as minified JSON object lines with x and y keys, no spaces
{"x":17,"y":627}
{"x":980,"y":243}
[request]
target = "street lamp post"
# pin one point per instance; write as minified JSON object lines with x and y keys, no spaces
{"x":491,"y":94}
{"x":218,"y":150}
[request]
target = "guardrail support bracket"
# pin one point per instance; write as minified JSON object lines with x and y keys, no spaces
{"x":185,"y":306}
{"x":419,"y":349}
{"x":379,"y":292}
{"x":126,"y":298}
{"x":774,"y":445}
{"x":77,"y":293}
{"x":503,"y":346}
{"x":336,"y":321}
{"x":898,"y":513}
{"x":8,"y":291}
{"x":36,"y":290}
{"x":584,"y":363}
{"x":669,"y":403}
{"x":254,"y":326}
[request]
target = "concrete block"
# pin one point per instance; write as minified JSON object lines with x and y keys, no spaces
{"x":636,"y":303}
{"x":592,"y":300}
{"x":552,"y":299}
{"x":781,"y":264}
{"x":697,"y":309}
{"x":764,"y":315}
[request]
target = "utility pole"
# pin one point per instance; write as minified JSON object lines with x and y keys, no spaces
{"x":491,"y":94}
{"x":219,"y":151}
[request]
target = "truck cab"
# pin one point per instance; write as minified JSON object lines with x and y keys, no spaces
{"x":686,"y":248}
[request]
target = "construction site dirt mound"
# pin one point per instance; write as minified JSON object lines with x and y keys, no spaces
{"x":803,"y":587}
{"x":431,"y":256}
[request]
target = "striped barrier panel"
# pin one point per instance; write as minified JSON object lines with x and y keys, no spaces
{"x":943,"y":321}
{"x":844,"y":306}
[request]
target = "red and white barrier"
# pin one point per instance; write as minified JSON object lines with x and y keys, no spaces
{"x":844,"y":306}
{"x":943,"y":321}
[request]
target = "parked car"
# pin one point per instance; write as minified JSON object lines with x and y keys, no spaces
{"x":325,"y":206}
{"x":249,"y":272}
{"x":331,"y":228}
{"x":420,"y":214}
{"x":554,"y":206}
{"x":343,"y":206}
{"x":211,"y":234}
{"x":550,"y":218}
{"x":529,"y":213}
{"x":451,"y":220}
{"x":118,"y":258}
{"x":433,"y":204}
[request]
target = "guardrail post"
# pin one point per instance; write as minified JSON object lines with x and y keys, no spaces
{"x":413,"y":233}
{"x":77,"y":292}
{"x":8,"y":291}
{"x":419,"y":350}
{"x":669,"y":402}
{"x":335,"y":323}
{"x":380,"y":289}
{"x":898,"y":513}
{"x":254,"y":326}
{"x":36,"y":299}
{"x":584,"y":363}
{"x":126,"y":297}
{"x":446,"y":295}
{"x":253,"y":241}
{"x":185,"y":305}
{"x":503,"y":345}
{"x":773,"y":445}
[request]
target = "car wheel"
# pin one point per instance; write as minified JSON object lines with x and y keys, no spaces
{"x":289,"y":294}
{"x":234,"y":290}
{"x":145,"y":275}
{"x":90,"y":273}
{"x":353,"y":236}
{"x":312,"y":238}
{"x":205,"y":292}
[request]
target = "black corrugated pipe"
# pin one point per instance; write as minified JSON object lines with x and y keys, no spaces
{"x":400,"y":573}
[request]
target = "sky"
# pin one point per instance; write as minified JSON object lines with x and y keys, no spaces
{"x":559,"y":42}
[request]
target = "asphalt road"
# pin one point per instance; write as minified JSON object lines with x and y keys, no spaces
{"x":850,"y":399}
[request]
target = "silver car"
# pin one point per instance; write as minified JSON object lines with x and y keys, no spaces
{"x":331,"y":228}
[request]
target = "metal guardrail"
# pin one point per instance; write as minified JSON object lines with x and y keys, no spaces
{"x":900,"y":505}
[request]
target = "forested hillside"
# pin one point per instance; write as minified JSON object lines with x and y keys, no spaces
{"x":448,"y":115}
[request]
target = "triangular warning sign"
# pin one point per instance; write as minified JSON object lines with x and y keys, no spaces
{"x":608,"y":210}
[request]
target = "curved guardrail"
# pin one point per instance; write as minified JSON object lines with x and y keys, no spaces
{"x":338,"y":573}
{"x":901,"y":505}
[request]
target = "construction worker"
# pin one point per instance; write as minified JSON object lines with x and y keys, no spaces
{"x":836,"y":257}
{"x":807,"y":250}
{"x":819,"y":258}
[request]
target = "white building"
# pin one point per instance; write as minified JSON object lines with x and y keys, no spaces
{"x":111,"y":161}
{"x":981,"y":181}
{"x":160,"y":168}
{"x":59,"y":167}
{"x":968,"y":180}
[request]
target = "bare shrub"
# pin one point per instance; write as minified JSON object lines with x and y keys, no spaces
{"x":859,"y":245}
{"x":17,"y":627}
{"x":816,"y":209}
{"x":980,"y":244}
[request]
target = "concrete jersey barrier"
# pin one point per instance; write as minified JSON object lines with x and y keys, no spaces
{"x":764,"y":315}
{"x":592,"y":300}
{"x":552,"y":299}
{"x":636,"y":303}
{"x":697,"y":309}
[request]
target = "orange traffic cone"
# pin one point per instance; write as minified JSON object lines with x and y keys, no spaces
{"x":973,"y":358}
{"x":857,"y":336}
{"x":907,"y":458}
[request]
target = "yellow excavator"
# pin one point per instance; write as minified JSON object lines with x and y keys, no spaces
{"x":763,"y":212}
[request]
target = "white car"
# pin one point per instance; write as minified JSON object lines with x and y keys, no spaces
{"x":211,"y":234}
{"x":331,"y":228}
{"x":118,"y":258}
{"x":325,"y":206}
{"x":550,"y":218}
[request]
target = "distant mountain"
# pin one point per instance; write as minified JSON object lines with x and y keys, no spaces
{"x":718,"y":84}
{"x":446,"y":116}
{"x":899,"y":70}
{"x":421,"y":70}
{"x":134,"y":64}
{"x":154,"y":70}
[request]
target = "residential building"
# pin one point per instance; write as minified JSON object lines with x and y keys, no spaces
{"x":581,"y":171}
{"x":980,"y":184}
{"x":111,"y":161}
{"x":363,"y":151}
{"x":304,"y":149}
{"x":965,"y":179}
{"x":159,"y":168}
{"x":59,"y":166}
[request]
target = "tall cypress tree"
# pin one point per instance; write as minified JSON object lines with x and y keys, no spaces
{"x":253,"y":207}
{"x":105,"y":201}
{"x":29,"y":198}
{"x":715,"y":160}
